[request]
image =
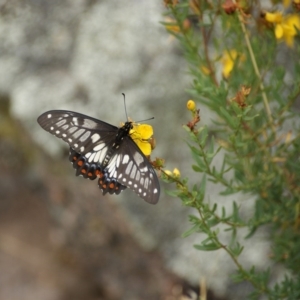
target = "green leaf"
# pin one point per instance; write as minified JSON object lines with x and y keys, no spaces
{"x":198,"y":169}
{"x":207,"y":247}
{"x":202,"y":189}
{"x":213,"y":222}
{"x":195,"y":150}
{"x":237,"y":249}
{"x":250,"y":118}
{"x":203,"y":133}
{"x":230,"y":119}
{"x":190,"y":231}
{"x":173,"y":193}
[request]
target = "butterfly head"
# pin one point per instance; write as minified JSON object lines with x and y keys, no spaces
{"x":128,"y":126}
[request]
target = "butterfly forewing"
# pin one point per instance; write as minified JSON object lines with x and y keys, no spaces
{"x":79,"y":131}
{"x":120,"y":160}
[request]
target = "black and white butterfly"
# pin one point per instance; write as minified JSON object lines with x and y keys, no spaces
{"x":103,"y":151}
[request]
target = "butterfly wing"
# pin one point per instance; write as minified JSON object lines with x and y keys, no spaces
{"x":81,"y":132}
{"x":132,"y":168}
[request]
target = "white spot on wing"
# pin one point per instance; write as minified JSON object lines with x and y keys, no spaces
{"x":75,"y":121}
{"x":70,"y":140}
{"x":92,"y":157}
{"x":72,"y":129}
{"x":64,"y":135}
{"x":111,"y":169}
{"x":99,"y":147}
{"x":128,"y":168}
{"x":137,"y":177}
{"x":75,"y":145}
{"x":49,"y":116}
{"x":95,"y":137}
{"x":87,"y":155}
{"x":51,"y":128}
{"x":82,"y":148}
{"x":133,"y":171}
{"x":103,"y":154}
{"x":85,"y":136}
{"x":146,"y":183}
{"x":57,"y":132}
{"x":125,"y":159}
{"x":65,"y":127}
{"x":155,"y":191}
{"x":118,"y":161}
{"x":97,"y":156}
{"x":61,"y":122}
{"x":144,"y":169}
{"x":113,"y":160}
{"x":138,"y":158}
{"x":78,"y":133}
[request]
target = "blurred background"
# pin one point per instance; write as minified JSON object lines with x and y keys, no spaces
{"x":59,"y":237}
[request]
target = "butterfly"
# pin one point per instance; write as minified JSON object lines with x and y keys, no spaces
{"x":101,"y":150}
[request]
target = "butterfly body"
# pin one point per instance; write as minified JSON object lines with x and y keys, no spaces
{"x":103,"y":151}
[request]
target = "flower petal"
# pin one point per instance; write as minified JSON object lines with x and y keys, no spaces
{"x":278,"y":31}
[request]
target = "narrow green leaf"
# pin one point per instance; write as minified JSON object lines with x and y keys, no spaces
{"x":207,"y":247}
{"x":190,"y":231}
{"x":197,"y":169}
{"x":203,"y":185}
{"x":203,"y":136}
{"x":230,"y":119}
{"x":213,"y":222}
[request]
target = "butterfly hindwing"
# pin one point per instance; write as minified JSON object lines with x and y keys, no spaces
{"x":98,"y":149}
{"x":94,"y":170}
{"x":131,"y":168}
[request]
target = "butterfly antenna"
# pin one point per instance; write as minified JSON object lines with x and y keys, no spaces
{"x":145,"y":120}
{"x":127,"y":115}
{"x":125,"y":106}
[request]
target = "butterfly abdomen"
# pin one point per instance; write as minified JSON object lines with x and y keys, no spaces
{"x":121,"y":134}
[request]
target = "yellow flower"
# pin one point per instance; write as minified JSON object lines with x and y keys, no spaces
{"x":228,"y":60}
{"x":176,"y":173}
{"x":191,"y":105}
{"x":168,"y":172}
{"x":285,"y":26}
{"x":275,"y":17}
{"x":142,"y":136}
{"x":289,"y":25}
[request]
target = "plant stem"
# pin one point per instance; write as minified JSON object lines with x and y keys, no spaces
{"x":256,"y":70}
